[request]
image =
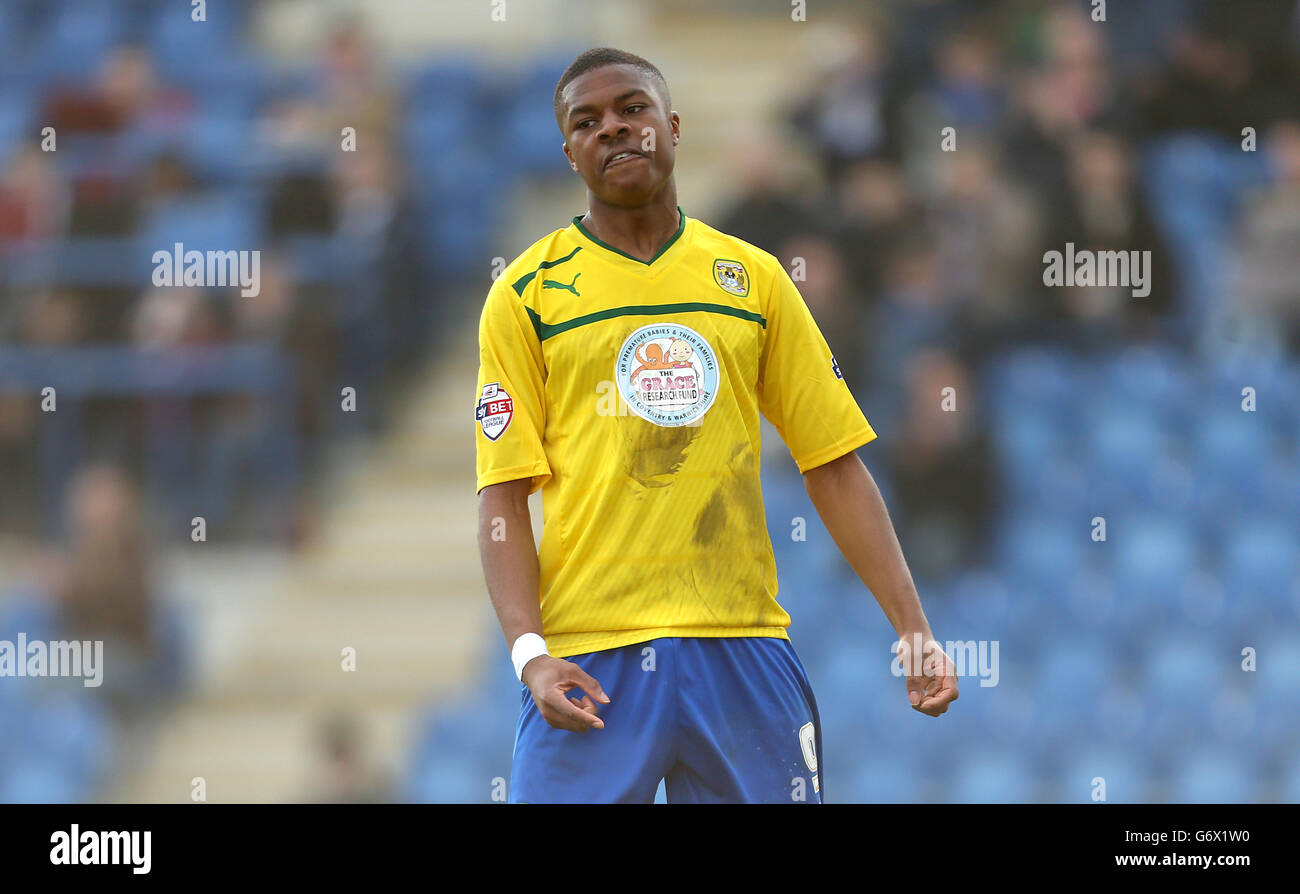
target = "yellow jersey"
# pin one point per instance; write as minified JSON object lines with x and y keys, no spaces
{"x":630,"y":393}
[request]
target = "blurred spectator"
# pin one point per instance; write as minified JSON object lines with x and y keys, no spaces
{"x":388,"y":305}
{"x":835,"y":302}
{"x":353,"y":91}
{"x":875,"y":211}
{"x":1063,"y":94}
{"x":966,"y":94}
{"x":1269,"y":260}
{"x":985,"y":226}
{"x":53,"y":317}
{"x":343,"y":772}
{"x":940,"y":463}
{"x":20,"y":460}
{"x":166,"y":178}
{"x":169,"y":318}
{"x":126,"y":96}
{"x":1103,"y":210}
{"x":771,"y":207}
{"x":843,"y":114}
{"x":1235,"y":65}
{"x":34,"y":199}
{"x":914,"y":313}
{"x":106,"y":589}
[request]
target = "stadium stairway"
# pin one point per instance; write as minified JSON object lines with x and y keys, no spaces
{"x":392,"y":573}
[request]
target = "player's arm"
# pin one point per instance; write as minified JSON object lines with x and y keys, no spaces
{"x":851,"y":507}
{"x":803,"y":394}
{"x":509,"y":554}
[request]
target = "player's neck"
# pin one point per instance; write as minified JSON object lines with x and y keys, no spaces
{"x":640,"y":232}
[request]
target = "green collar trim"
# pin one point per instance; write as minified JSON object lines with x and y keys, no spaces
{"x":577,"y":222}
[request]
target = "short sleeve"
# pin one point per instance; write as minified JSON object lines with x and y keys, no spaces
{"x":510,"y":412}
{"x":800,"y":387}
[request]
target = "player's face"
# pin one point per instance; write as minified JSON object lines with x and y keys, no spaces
{"x":617,"y":109}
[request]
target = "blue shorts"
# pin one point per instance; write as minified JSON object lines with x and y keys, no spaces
{"x":718,"y":719}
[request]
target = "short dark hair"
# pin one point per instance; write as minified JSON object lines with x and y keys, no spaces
{"x":599,"y":57}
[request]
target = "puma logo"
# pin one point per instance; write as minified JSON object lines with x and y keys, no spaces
{"x":552,"y":284}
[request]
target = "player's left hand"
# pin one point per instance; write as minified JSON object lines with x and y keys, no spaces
{"x":935,"y":686}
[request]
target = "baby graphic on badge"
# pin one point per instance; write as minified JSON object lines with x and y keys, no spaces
{"x":679,"y":352}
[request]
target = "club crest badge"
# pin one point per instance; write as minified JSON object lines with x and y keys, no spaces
{"x":494,"y":410}
{"x":731,"y":276}
{"x":667,"y":374}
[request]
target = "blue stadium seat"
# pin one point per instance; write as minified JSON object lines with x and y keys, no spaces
{"x":1272,"y":685}
{"x":75,"y":734}
{"x":879,"y":776}
{"x":993,"y":776}
{"x":231,"y":84}
{"x":1120,"y":717}
{"x":31,"y":612}
{"x":1042,"y":554}
{"x":1209,"y":775}
{"x":1233,"y":451}
{"x":225,"y":220}
{"x":77,"y":40}
{"x":1071,"y":677}
{"x":529,"y":122}
{"x":1278,"y":663}
{"x":16,"y":122}
{"x":1183,"y":669}
{"x":537,"y":151}
{"x":441,"y":778}
{"x":12,"y":31}
{"x":1153,"y":559}
{"x":1282,"y":486}
{"x":843,"y":672}
{"x":215,"y":145}
{"x":432,"y":135}
{"x":1123,"y":450}
{"x":40,"y":780}
{"x":1151,"y":381}
{"x":1036,"y":381}
{"x":1277,"y":398}
{"x":1093,"y":602}
{"x":1124,"y":774}
{"x":1026,"y":439}
{"x":1261,"y":563}
{"x":1036,"y":465}
{"x":1289,"y":792}
{"x":986,"y":605}
{"x":173,"y":35}
{"x":447,"y":80}
{"x":452,"y":761}
{"x":319,"y":259}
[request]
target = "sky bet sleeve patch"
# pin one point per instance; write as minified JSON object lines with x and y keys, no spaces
{"x":494,"y":411}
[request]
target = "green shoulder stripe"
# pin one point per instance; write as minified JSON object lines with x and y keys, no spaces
{"x":522,"y":282}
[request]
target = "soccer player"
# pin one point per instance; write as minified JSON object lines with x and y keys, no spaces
{"x":624,"y":362}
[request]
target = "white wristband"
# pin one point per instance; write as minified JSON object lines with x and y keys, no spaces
{"x":526,"y":648}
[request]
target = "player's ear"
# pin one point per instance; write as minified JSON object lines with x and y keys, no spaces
{"x":569,"y":155}
{"x":675,"y":125}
